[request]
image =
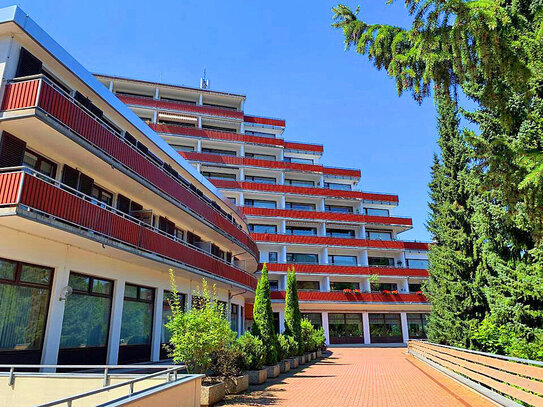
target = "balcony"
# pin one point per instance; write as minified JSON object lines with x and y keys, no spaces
{"x":311,"y":191}
{"x":334,"y":241}
{"x":41,"y":94}
{"x":328,"y":269}
{"x":339,"y":296}
{"x":32,"y":193}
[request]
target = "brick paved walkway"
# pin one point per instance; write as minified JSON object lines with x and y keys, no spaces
{"x":361,"y":377}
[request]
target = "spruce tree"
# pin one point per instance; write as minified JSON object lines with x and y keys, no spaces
{"x":263,"y":317}
{"x":293,"y":316}
{"x":458,"y":304}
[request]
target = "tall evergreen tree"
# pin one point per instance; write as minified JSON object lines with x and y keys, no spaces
{"x":293,"y":316}
{"x":458,"y":304}
{"x":263,"y":317}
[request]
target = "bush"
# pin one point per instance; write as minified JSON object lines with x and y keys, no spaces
{"x":263,"y":318}
{"x":319,"y":339}
{"x":228,"y":362}
{"x":287,"y":346}
{"x":198,"y":333}
{"x":308,"y":338}
{"x":252,"y":350}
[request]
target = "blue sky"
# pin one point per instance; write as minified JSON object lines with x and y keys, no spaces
{"x":288,"y":61}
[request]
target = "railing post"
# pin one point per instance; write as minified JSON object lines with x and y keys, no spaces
{"x":38,"y":93}
{"x":106,"y":374}
{"x":11,"y":379}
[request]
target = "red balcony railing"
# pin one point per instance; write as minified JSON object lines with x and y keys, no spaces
{"x":264,"y":120}
{"x":339,"y":296}
{"x":330,"y":269}
{"x":222,"y":159}
{"x":38,"y":93}
{"x":46,"y":196}
{"x":337,"y":241}
{"x":180,"y":106}
{"x":328,"y":216}
{"x":289,"y":189}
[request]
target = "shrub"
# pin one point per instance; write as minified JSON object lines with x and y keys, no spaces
{"x":293,"y":317}
{"x":198,"y":333}
{"x":319,"y":339}
{"x":263,"y":318}
{"x":228,"y":362}
{"x":252,"y":350}
{"x":287,"y":346}
{"x":307,"y":336}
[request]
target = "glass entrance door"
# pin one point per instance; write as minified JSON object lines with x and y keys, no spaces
{"x":385,"y":328}
{"x":345,"y":328}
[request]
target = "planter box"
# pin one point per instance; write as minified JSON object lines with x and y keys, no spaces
{"x":293,"y":362}
{"x":285,"y":365}
{"x":273,"y":371}
{"x":319,"y":353}
{"x":236,"y":385}
{"x":257,"y":376}
{"x":209,"y":395}
{"x":313,"y":355}
{"x":307,"y":357}
{"x":302,"y":360}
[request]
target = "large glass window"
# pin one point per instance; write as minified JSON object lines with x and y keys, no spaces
{"x":301,"y":231}
{"x":314,"y":317}
{"x":417,"y":326}
{"x":218,"y":175}
{"x":344,"y":285}
{"x":343,"y":233}
{"x":376,"y":287}
{"x":381,"y":261}
{"x":413,"y":288}
{"x":272,"y":257}
{"x":260,"y":203}
{"x":39,"y":163}
{"x":274,"y":285}
{"x":234,"y":315}
{"x":345,"y":328}
{"x":299,"y":183}
{"x":417,"y":263}
{"x":308,"y":285}
{"x":385,"y":328}
{"x":378,"y":235}
{"x":376,"y":212}
{"x":260,"y":180}
{"x":337,"y":185}
{"x":218,"y":151}
{"x":338,"y":209}
{"x":87,"y":312}
{"x":136,"y":324}
{"x":300,"y":206}
{"x":302,"y":258}
{"x":258,"y":156}
{"x":298,"y":160}
{"x":342,"y":260}
{"x":165,"y":334}
{"x":24,"y":293}
{"x":262,"y":228}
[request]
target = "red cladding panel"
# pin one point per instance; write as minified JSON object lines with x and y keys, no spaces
{"x":339,"y":296}
{"x":21,"y":94}
{"x":305,"y":147}
{"x":10,"y":184}
{"x":264,"y":120}
{"x":346,"y":270}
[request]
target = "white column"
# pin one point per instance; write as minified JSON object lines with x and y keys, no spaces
{"x":360,"y":207}
{"x":363,"y":231}
{"x":403,"y":286}
{"x":321,"y":205}
{"x":241,"y":199}
{"x":242,"y":174}
{"x":283,"y":254}
{"x":115,"y":322}
{"x":111,"y":86}
{"x":281,"y":155}
{"x":242,"y":150}
{"x":155,"y":116}
{"x":322,"y":227}
{"x":283,"y":283}
{"x":199,"y":122}
{"x":281,"y":321}
{"x":321,"y":181}
{"x":283,"y":227}
{"x":282,"y":178}
{"x":366,"y":285}
{"x":199,"y":167}
{"x":324,"y":254}
{"x":200,"y":99}
{"x":402,"y":259}
{"x":157,"y":94}
{"x":157,"y":325}
{"x":282,"y":202}
{"x":366,"y":328}
{"x":199,"y":146}
{"x":326,"y":284}
{"x":326,"y":327}
{"x":405,"y":328}
{"x":53,"y":328}
{"x":242,"y":128}
{"x":364,"y":258}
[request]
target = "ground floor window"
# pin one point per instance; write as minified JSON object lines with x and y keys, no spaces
{"x":314,"y":317}
{"x":85,"y":327}
{"x":234,"y":315}
{"x":345,"y":328}
{"x":136,"y":324}
{"x":165,"y":334}
{"x":25,"y":292}
{"x":385,"y":328}
{"x":417,"y":326}
{"x":276,"y":324}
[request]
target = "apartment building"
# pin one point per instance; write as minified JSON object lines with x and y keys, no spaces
{"x":95,"y":208}
{"x":356,"y":277}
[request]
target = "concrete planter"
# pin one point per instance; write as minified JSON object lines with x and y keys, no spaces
{"x":319,"y":353}
{"x":293,"y":362}
{"x":313,"y":355}
{"x":301,"y":360}
{"x":236,"y":385}
{"x":307,"y":357}
{"x":257,"y":376}
{"x":273,"y":371}
{"x":209,"y":395}
{"x":285,"y":365}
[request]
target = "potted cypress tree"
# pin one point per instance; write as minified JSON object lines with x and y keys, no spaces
{"x":293,"y":316}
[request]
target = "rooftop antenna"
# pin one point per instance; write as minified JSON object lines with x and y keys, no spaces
{"x":204,"y":82}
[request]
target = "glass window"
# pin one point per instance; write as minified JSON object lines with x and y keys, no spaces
{"x":39,"y":163}
{"x":274,"y":285}
{"x":234,"y":314}
{"x":272,"y":257}
{"x":338,"y":186}
{"x":299,"y":206}
{"x":385,"y":326}
{"x":87,"y":313}
{"x":338,"y":209}
{"x":259,"y":203}
{"x":417,"y":263}
{"x":165,"y":334}
{"x":259,"y":134}
{"x":301,"y":231}
{"x":178,"y":147}
{"x":378,"y":235}
{"x":314,"y":317}
{"x":381,"y":261}
{"x":218,"y":151}
{"x":218,"y":175}
{"x":342,"y":233}
{"x":299,"y":183}
{"x":344,"y":285}
{"x":263,"y":228}
{"x":23,"y":305}
{"x":298,"y":160}
{"x":102,"y":195}
{"x":137,"y":319}
{"x":261,"y":180}
{"x":413,"y":288}
{"x":416,"y":324}
{"x":345,"y":328}
{"x":258,"y":156}
{"x":376,"y":212}
{"x":308,"y":285}
{"x":383,"y":286}
{"x":342,"y":260}
{"x":302,"y":258}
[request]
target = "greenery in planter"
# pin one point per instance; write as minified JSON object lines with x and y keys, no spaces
{"x":263,"y":318}
{"x":308,"y":336}
{"x":198,"y":333}
{"x":252,"y":350}
{"x":319,"y":339}
{"x":228,"y":362}
{"x":293,"y":317}
{"x":287,"y":346}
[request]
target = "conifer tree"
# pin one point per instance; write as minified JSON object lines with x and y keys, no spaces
{"x":458,"y":304}
{"x":293,"y":316}
{"x":263,"y":317}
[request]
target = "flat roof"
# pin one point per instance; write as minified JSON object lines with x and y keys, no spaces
{"x":17,"y":15}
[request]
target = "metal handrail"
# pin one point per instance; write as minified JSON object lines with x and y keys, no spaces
{"x":111,"y":209}
{"x":70,"y":98}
